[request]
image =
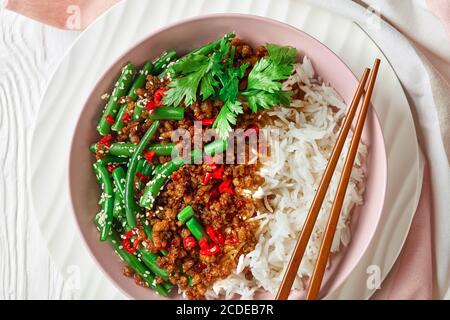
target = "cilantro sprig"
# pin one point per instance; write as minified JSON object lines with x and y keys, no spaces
{"x":197,"y":73}
{"x":210,"y":73}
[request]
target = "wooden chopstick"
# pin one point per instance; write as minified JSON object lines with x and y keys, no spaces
{"x":330,"y":230}
{"x":308,"y":226}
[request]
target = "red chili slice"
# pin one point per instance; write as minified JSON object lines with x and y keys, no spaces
{"x":110,"y":119}
{"x":216,"y":174}
{"x":106,"y":140}
{"x":150,"y":106}
{"x":203,"y":243}
{"x":212,"y":250}
{"x":208,"y":122}
{"x":111,"y":167}
{"x":189,"y":242}
{"x":143,"y":179}
{"x":158,"y":96}
{"x":149,"y":155}
{"x":126,"y":118}
{"x":127,"y":244}
{"x":215,"y":235}
{"x":226,"y":187}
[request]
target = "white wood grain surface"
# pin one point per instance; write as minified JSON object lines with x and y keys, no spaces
{"x":29,"y":52}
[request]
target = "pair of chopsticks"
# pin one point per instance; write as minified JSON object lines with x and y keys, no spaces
{"x":324,"y":251}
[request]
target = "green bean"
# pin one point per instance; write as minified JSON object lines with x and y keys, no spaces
{"x":167,"y":113}
{"x":138,"y":109}
{"x":162,"y":149}
{"x":147,"y":257}
{"x":140,"y":80}
{"x":162,"y":62}
{"x":138,"y":83}
{"x":121,"y":88}
{"x":140,"y":165}
{"x":150,"y":261}
{"x":210,"y":47}
{"x":217,"y":146}
{"x":157,"y":169}
{"x":185,"y":214}
{"x":126,"y":149}
{"x":110,"y":159}
{"x":153,"y":188}
{"x":130,"y":204}
{"x":205,"y":50}
{"x":107,"y":199}
{"x":168,"y":286}
{"x":148,"y":169}
{"x":160,"y":65}
{"x":119,"y":177}
{"x":118,"y":209}
{"x":196,"y":228}
{"x":121,"y":149}
{"x":132,"y":261}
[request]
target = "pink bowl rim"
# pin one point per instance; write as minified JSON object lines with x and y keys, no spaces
{"x":176,"y":24}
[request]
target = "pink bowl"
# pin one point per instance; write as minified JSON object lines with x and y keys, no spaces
{"x":183,"y":37}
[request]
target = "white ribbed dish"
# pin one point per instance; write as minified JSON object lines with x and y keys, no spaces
{"x":106,"y":39}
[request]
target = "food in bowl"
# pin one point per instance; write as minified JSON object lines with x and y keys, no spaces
{"x":196,"y":192}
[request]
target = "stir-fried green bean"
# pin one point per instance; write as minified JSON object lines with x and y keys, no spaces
{"x":138,"y":83}
{"x":107,"y":200}
{"x":162,"y":62}
{"x":204,"y":50}
{"x":195,"y":228}
{"x":110,"y":159}
{"x":132,"y":261}
{"x":185,"y":214}
{"x":168,"y":113}
{"x":153,"y":188}
{"x":121,"y":89}
{"x":162,"y":149}
{"x":126,"y":149}
{"x":217,"y":146}
{"x":130,"y":204}
{"x":119,"y":178}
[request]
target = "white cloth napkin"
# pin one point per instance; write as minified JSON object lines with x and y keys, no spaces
{"x":428,"y":94}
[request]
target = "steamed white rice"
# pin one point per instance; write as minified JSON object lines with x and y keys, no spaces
{"x":309,"y":129}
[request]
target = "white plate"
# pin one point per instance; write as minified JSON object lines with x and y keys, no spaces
{"x":107,"y":38}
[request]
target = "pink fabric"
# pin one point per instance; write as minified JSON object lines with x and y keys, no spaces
{"x":441,"y":9}
{"x":63,"y":14}
{"x":411,"y":276}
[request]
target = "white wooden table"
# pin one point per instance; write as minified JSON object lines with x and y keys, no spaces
{"x":29,"y":52}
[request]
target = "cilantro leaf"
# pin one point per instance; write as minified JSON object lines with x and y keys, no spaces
{"x":266,"y":75}
{"x":229,"y":93}
{"x":264,"y":89}
{"x":266,"y":100}
{"x":197,"y":73}
{"x":227,"y":117}
{"x":185,"y":88}
{"x":281,"y":55}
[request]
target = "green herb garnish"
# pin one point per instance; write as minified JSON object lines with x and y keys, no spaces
{"x":210,"y":73}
